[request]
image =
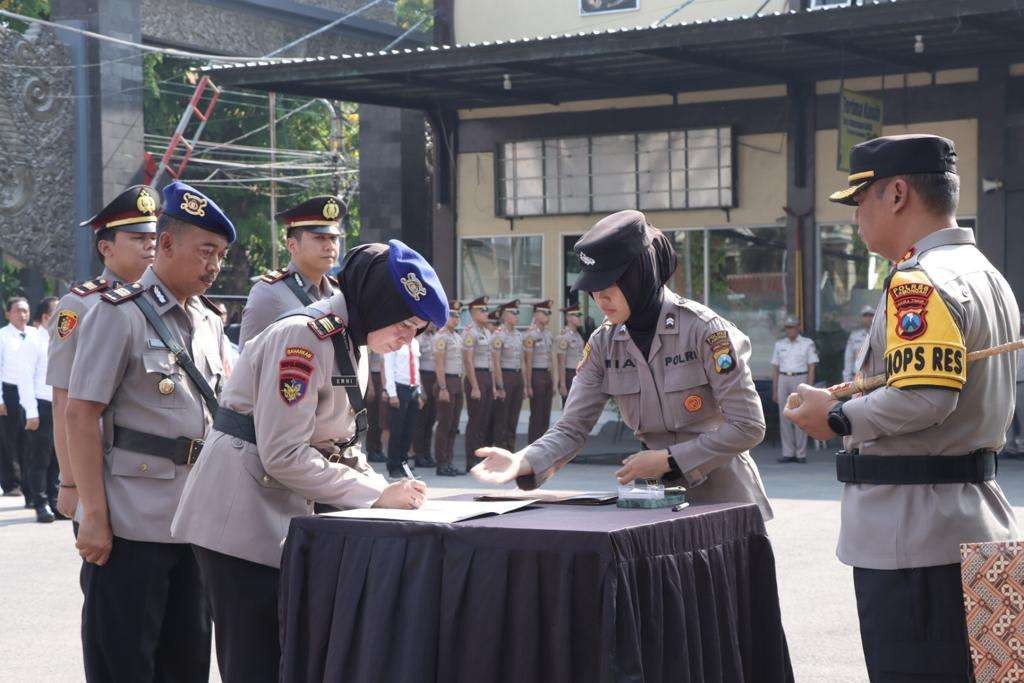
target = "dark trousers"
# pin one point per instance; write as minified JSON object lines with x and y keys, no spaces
{"x":481,"y":412}
{"x":448,"y":414}
{"x":401,"y":420}
{"x":912,"y":624}
{"x":144,"y":615}
{"x":540,"y":403}
{"x":43,"y":469}
{"x":243,"y":600}
{"x":373,"y":411}
{"x":506,"y":411}
{"x":426,"y":416}
{"x":15,"y":451}
{"x":570,"y":375}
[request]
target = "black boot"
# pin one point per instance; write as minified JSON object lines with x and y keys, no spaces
{"x":425,"y":460}
{"x":44,"y":515}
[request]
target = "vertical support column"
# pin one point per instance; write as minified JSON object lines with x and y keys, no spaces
{"x":445,"y":128}
{"x":991,"y":229}
{"x":800,"y":227}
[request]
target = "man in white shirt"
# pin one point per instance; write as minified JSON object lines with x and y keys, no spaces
{"x":43,"y":468}
{"x":18,"y":355}
{"x":857,"y":339}
{"x":401,"y":379}
{"x":793,"y":361}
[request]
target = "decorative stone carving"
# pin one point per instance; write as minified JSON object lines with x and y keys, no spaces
{"x":36,"y":150}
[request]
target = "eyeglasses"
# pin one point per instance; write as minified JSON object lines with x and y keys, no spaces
{"x":513,"y":311}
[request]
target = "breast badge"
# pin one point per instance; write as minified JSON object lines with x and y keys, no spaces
{"x":165,"y":386}
{"x":693,"y":403}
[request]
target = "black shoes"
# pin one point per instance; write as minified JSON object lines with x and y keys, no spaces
{"x":449,"y":471}
{"x":44,"y":515}
{"x":424,"y":460}
{"x":376,"y":457}
{"x":802,"y":461}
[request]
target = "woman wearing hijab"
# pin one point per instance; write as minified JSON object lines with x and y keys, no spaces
{"x":677,"y":371}
{"x":285,"y":436}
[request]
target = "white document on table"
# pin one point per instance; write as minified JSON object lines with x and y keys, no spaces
{"x":438,"y":511}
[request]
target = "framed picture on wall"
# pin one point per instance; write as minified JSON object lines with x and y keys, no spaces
{"x":589,"y":7}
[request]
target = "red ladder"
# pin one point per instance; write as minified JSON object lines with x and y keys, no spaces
{"x":179,"y":133}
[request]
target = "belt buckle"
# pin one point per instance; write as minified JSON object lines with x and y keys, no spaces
{"x":194,"y":446}
{"x":334,"y":457}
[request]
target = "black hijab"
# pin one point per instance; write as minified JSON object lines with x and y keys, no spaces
{"x":642,"y":284}
{"x":371,"y":296}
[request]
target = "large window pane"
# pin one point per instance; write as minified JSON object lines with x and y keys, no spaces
{"x":501,"y":267}
{"x":653,"y":177}
{"x":613,"y":172}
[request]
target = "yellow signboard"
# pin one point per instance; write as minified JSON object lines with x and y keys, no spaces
{"x":860,"y":119}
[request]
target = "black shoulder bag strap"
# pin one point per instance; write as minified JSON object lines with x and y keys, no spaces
{"x":184,"y":360}
{"x":294,"y":283}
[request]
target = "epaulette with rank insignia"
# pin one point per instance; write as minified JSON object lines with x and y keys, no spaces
{"x":123,"y":293}
{"x":209,"y":303}
{"x":326,"y":326}
{"x":334,"y":281}
{"x":274,"y":276}
{"x":90,"y":287}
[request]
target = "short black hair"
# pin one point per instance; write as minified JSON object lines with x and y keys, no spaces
{"x":939,"y":192}
{"x":167,"y":223}
{"x":15,"y":300}
{"x":104,"y":235}
{"x":46,"y":306}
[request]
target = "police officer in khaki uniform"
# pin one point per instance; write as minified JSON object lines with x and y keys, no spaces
{"x":569,"y":349}
{"x":125,"y":237}
{"x":919,"y":469}
{"x":427,"y":415}
{"x":539,"y":369}
{"x":448,"y":370}
{"x":154,"y":367}
{"x":677,"y":371}
{"x":313,"y":240}
{"x":793,"y":361}
{"x":285,"y":437}
{"x":507,"y":348}
{"x":481,"y":382}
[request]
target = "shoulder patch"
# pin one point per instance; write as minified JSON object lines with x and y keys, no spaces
{"x":67,"y":321}
{"x":90,"y":287}
{"x":326,"y":326}
{"x":722,"y":353}
{"x":496,"y":344}
{"x":273,"y":276}
{"x":924,"y":347}
{"x":586,"y":354}
{"x":529,"y":342}
{"x":440,"y":345}
{"x":563,"y":344}
{"x":123,"y":293}
{"x":469,"y":340}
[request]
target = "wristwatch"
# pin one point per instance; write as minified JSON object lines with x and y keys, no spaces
{"x":837,"y":420}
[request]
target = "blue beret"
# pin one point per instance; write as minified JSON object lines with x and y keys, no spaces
{"x":188,"y":204}
{"x":418,"y":283}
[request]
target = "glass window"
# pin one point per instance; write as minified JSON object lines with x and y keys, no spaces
{"x":501,"y":267}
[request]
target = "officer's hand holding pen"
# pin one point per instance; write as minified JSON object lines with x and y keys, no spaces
{"x":407,"y":494}
{"x":499,"y":466}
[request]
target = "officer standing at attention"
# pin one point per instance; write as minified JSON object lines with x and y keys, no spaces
{"x":154,"y":367}
{"x":919,"y":469}
{"x":481,"y":383}
{"x":538,"y":368}
{"x":285,"y":436}
{"x":856,"y":340}
{"x":507,"y":349}
{"x":677,"y":370}
{"x":427,"y":415}
{"x":313,"y":240}
{"x":448,"y":369}
{"x":569,"y":351}
{"x":124,"y":234}
{"x":793,"y":361}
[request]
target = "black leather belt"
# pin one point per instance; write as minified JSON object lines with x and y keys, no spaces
{"x":511,"y":369}
{"x":793,"y":374}
{"x":973,"y":468}
{"x":243,"y":427}
{"x":182,"y":451}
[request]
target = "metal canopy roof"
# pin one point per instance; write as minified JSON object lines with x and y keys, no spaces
{"x":829,"y":43}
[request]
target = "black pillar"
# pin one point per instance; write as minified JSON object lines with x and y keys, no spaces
{"x":799,"y":209}
{"x":991,"y":229}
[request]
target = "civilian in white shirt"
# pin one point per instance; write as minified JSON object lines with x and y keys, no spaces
{"x":401,"y":379}
{"x":793,"y":361}
{"x":18,"y":355}
{"x":43,"y":469}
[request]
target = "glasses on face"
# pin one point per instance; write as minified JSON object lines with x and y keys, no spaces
{"x":513,"y":311}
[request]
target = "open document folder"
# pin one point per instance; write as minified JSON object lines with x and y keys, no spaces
{"x":554,"y":497}
{"x":438,"y":511}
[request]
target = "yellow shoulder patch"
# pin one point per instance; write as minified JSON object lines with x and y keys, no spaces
{"x":923,"y":345}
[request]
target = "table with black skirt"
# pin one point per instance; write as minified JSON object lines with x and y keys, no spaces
{"x":547,"y":594}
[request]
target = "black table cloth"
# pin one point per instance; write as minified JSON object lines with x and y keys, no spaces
{"x":547,"y":594}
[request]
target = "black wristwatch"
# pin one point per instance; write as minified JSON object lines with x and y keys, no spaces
{"x":837,"y":420}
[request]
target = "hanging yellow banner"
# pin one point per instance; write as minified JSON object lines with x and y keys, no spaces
{"x":860,"y":119}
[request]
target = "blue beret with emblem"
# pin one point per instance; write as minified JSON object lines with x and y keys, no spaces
{"x":188,"y":204}
{"x":418,"y":284}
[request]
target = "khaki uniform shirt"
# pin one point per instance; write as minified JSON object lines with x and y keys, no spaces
{"x":450,"y":344}
{"x":268,"y":301}
{"x":947,"y":409}
{"x":509,"y":347}
{"x":240,"y":497}
{"x":126,"y":363}
{"x":477,"y":340}
{"x":856,"y":340}
{"x":64,"y":330}
{"x":695,"y":398}
{"x":538,"y":341}
{"x":570,"y":347}
{"x":426,"y":354}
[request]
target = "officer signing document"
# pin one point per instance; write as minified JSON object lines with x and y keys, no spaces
{"x":677,"y":371}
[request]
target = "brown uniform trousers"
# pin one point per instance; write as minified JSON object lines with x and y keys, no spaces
{"x":540,"y":403}
{"x":447,"y":420}
{"x":426,"y":416}
{"x":481,"y":412}
{"x":506,"y":412}
{"x":376,"y":416}
{"x":570,"y":375}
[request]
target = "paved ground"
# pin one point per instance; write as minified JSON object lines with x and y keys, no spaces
{"x":40,"y":600}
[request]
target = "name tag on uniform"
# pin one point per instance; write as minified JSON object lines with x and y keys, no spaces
{"x":156,"y":344}
{"x":344,"y":381}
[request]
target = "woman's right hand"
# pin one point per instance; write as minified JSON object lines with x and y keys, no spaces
{"x":499,"y":466}
{"x":407,"y":494}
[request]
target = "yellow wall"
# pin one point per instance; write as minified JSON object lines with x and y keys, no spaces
{"x":482,"y":20}
{"x":760,"y":186}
